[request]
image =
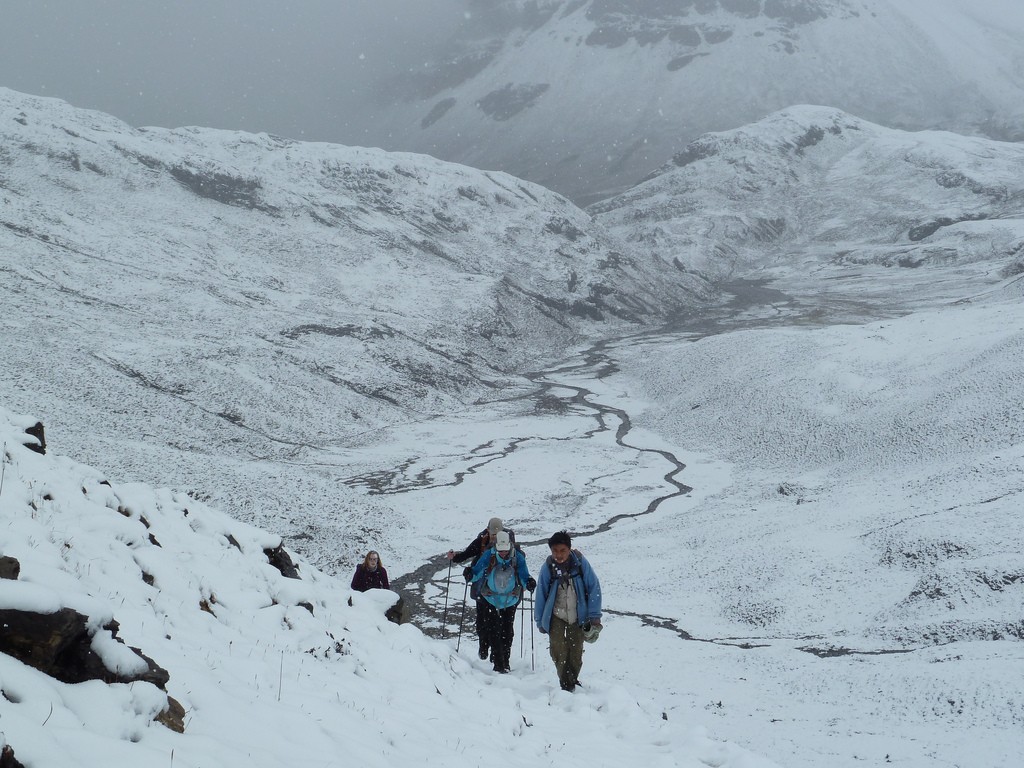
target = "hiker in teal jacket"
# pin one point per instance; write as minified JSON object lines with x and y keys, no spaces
{"x":568,"y":607}
{"x":502,"y":575}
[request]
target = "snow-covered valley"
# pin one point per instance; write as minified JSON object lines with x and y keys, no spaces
{"x":799,"y":479}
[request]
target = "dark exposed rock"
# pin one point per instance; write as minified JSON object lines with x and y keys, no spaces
{"x":921,"y":231}
{"x":681,"y":61}
{"x":10,"y":568}
{"x":812,"y":136}
{"x":363,"y":333}
{"x":438,"y":111}
{"x":510,"y":100}
{"x":398,"y":613}
{"x":446,"y":73}
{"x":717,"y":34}
{"x":280,"y":559}
{"x":172,"y":717}
{"x":7,"y":758}
{"x":609,"y":37}
{"x":686,"y":34}
{"x":562,"y":226}
{"x":749,"y":9}
{"x":156,"y":674}
{"x":695,"y":150}
{"x":37,"y":431}
{"x":794,"y":11}
{"x":229,"y":190}
{"x":60,"y":645}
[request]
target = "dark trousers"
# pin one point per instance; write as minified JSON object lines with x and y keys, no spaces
{"x":566,"y":651}
{"x":500,"y":629}
{"x":481,"y":626}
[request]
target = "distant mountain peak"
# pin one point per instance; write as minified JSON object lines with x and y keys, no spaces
{"x":588,"y":96}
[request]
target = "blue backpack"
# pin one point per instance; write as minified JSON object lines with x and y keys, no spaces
{"x":501,"y":587}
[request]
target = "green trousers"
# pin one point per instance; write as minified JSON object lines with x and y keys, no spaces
{"x":566,"y":651}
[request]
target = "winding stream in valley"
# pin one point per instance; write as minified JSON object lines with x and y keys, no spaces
{"x":440,"y":617}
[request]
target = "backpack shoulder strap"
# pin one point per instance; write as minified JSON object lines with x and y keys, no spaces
{"x":577,"y":557}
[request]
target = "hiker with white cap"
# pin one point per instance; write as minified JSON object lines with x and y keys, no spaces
{"x":483,"y":541}
{"x":502,"y":575}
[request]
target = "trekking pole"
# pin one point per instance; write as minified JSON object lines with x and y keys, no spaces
{"x":522,"y":628}
{"x":533,"y":656}
{"x":447,"y":586}
{"x":462,"y":617}
{"x":3,"y":471}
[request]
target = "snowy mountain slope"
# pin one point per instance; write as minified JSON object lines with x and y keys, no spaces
{"x":201,"y":308}
{"x":842,"y":584}
{"x":270,"y":670}
{"x":587,"y":96}
{"x":872,"y":514}
{"x":810,"y":186}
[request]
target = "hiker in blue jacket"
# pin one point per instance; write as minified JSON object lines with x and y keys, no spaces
{"x":479,"y":545}
{"x":502,"y":575}
{"x":568,"y":607}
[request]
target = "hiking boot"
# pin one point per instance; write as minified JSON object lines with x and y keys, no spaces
{"x":483,"y":652}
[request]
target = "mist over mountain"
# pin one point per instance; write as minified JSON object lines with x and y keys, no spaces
{"x":588,"y":96}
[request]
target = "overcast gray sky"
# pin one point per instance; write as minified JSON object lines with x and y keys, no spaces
{"x":290,"y":68}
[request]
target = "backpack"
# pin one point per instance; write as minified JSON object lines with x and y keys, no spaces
{"x":575,"y":568}
{"x":500,"y":583}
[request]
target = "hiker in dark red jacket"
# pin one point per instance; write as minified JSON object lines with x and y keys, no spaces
{"x":371,"y":574}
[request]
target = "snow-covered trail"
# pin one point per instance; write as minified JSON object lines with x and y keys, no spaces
{"x":732,"y":605}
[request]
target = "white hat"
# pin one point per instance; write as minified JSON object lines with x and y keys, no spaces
{"x":502,"y":542}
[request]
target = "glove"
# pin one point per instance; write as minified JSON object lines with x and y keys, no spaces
{"x":467,"y":572}
{"x":531,"y":584}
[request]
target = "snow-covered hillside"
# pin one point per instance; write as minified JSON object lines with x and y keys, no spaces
{"x":802,"y":500}
{"x":812,"y":186}
{"x":207,"y":309}
{"x":269,"y":670}
{"x":587,"y":96}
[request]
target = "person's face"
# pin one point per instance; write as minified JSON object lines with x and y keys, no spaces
{"x":372,"y":560}
{"x":504,"y":553}
{"x":560,"y":553}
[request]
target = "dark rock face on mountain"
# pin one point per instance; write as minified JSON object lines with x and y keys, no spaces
{"x":587,"y":96}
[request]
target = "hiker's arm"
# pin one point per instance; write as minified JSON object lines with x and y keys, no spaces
{"x":480,"y":567}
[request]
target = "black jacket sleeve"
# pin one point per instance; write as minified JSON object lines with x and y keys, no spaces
{"x":476,"y":546}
